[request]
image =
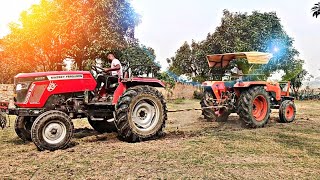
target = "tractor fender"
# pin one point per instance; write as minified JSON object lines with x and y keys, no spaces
{"x":131,"y":82}
{"x":267,"y":86}
{"x":137,"y":81}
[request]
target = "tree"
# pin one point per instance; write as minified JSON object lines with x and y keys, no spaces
{"x":316,"y":10}
{"x":141,"y":59}
{"x":83,"y":30}
{"x":296,"y":82}
{"x":296,"y":75}
{"x":238,"y":32}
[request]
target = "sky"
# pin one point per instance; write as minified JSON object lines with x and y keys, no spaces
{"x":166,"y":24}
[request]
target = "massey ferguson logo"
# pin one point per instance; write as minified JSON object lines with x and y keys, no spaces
{"x":52,"y":86}
{"x":65,"y":77}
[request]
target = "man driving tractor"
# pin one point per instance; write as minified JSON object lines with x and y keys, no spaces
{"x":111,"y":76}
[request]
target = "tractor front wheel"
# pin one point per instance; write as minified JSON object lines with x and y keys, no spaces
{"x":141,"y":114}
{"x":52,"y":130}
{"x":287,"y":111}
{"x":254,"y":107}
{"x":22,"y":127}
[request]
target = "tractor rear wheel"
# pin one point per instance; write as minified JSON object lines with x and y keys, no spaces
{"x":141,"y":114}
{"x":22,"y":127}
{"x":287,"y":111}
{"x":254,"y":107}
{"x":209,"y":113}
{"x":103,"y":126}
{"x":52,"y":130}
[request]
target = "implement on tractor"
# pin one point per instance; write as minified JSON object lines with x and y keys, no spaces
{"x":3,"y":118}
{"x":251,"y":100}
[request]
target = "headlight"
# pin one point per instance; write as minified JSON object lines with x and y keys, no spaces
{"x":22,"y":86}
{"x":19,"y":87}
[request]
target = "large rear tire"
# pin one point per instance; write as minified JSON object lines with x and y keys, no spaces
{"x":22,"y":127}
{"x":254,"y":107}
{"x":141,"y":114}
{"x":52,"y":130}
{"x":207,"y":113}
{"x":287,"y":111}
{"x":103,"y":126}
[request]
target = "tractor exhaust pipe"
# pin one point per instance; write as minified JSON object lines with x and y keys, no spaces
{"x":3,"y":120}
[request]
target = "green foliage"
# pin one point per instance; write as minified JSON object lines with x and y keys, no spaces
{"x":316,"y":10}
{"x":296,"y":75}
{"x":169,"y":81}
{"x":141,"y":59}
{"x":55,"y":29}
{"x":296,"y":82}
{"x":238,"y":32}
{"x":198,"y":94}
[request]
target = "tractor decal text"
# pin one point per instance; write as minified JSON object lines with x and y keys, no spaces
{"x":29,"y":93}
{"x":51,"y":86}
{"x":65,"y":77}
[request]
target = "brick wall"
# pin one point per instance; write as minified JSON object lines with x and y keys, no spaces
{"x":181,"y":91}
{"x":6,"y":92}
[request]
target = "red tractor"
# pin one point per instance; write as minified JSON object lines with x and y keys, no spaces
{"x":252,"y":100}
{"x":47,"y":102}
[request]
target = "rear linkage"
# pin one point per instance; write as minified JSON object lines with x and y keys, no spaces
{"x":3,"y":120}
{"x":3,"y":115}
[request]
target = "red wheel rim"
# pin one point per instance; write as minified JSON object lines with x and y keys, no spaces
{"x":260,"y":108}
{"x":289,"y":112}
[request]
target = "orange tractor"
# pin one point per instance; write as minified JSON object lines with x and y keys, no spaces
{"x":252,"y":100}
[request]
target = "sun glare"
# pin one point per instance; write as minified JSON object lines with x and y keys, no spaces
{"x":10,"y":11}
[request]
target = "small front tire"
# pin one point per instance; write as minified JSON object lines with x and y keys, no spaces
{"x":287,"y":111}
{"x":22,"y":127}
{"x":52,"y":130}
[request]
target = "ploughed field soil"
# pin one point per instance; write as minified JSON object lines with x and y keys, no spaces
{"x":191,"y":149}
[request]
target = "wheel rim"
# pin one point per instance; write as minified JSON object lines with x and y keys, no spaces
{"x":54,"y":132}
{"x":146,"y":114}
{"x":289,"y":112}
{"x":260,"y":108}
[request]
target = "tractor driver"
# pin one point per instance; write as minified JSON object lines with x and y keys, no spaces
{"x":238,"y":73}
{"x":115,"y":71}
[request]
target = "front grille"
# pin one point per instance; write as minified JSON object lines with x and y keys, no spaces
{"x":25,"y":85}
{"x":21,"y":95}
{"x":37,"y":93}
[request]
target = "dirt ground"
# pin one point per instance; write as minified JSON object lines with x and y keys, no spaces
{"x":191,"y":149}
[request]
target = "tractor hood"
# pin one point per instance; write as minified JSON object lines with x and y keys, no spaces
{"x":54,"y":75}
{"x":223,"y":60}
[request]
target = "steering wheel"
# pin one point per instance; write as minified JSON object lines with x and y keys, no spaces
{"x":97,"y":69}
